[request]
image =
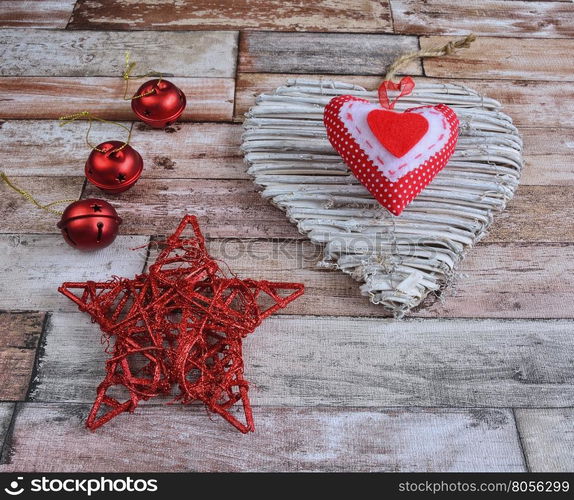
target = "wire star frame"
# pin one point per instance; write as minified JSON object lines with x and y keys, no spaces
{"x":178,"y":330}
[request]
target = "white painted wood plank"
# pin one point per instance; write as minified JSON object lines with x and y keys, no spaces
{"x":52,"y":437}
{"x":497,"y":58}
{"x":548,"y":438}
{"x":298,"y":361}
{"x":185,"y":150}
{"x":504,"y":18}
{"x":43,"y":148}
{"x":205,"y":150}
{"x":34,"y":266}
{"x":101,"y":53}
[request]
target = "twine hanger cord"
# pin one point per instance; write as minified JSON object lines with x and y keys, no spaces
{"x":445,"y":50}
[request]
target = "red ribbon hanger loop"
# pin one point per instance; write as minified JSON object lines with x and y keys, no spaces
{"x":405,"y":87}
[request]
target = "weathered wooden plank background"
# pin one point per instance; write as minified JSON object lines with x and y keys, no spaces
{"x":288,"y":15}
{"x":485,"y":371}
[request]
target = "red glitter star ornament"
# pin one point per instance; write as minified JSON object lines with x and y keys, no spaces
{"x":180,"y":326}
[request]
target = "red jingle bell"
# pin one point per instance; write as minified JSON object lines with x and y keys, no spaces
{"x":89,"y":224}
{"x":160,"y":103}
{"x":114,"y":168}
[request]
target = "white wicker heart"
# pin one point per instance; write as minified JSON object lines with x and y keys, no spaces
{"x":400,"y":260}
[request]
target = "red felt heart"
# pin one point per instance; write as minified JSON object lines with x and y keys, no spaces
{"x":398,"y":132}
{"x":393,"y":181}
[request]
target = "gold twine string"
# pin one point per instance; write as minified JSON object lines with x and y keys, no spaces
{"x":64,"y":120}
{"x":25,"y":194}
{"x":126,"y":75}
{"x":447,"y":49}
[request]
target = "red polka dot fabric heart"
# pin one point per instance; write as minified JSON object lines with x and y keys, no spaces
{"x":394,"y":155}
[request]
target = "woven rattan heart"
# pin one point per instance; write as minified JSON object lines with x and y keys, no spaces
{"x":400,"y":260}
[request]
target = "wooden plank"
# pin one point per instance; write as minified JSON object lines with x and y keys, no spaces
{"x":286,"y":439}
{"x":275,"y":15}
{"x":501,"y":58}
{"x":51,"y":97}
{"x":192,"y":151}
{"x":317,"y":53}
{"x":548,"y":156}
{"x":548,"y":438}
{"x":509,"y":280}
{"x":250,"y":85}
{"x":345,"y":361}
{"x":234,"y":209}
{"x":505,"y":18}
{"x":544,"y":204}
{"x":35,"y":13}
{"x":202,"y":150}
{"x":226,"y":208}
{"x":19,"y":337}
{"x":101,"y":53}
{"x":212,"y":151}
{"x":33,"y":266}
{"x":45,"y":149}
{"x":530,"y":104}
{"x":19,"y":215}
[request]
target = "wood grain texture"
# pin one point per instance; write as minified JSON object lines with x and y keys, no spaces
{"x":184,"y":150}
{"x":19,"y":337}
{"x":250,"y":85}
{"x":191,"y":151}
{"x":509,"y":280}
{"x":51,"y":97}
{"x":310,"y":361}
{"x":225,"y":208}
{"x":276,"y":15}
{"x":212,"y":151}
{"x":19,"y":215}
{"x":34,"y":266}
{"x":52,"y":437}
{"x":234,"y":209}
{"x":548,"y":438}
{"x":496,"y":58}
{"x":42,"y":148}
{"x":505,"y":18}
{"x":529,"y":103}
{"x":545,"y":204}
{"x":35,"y":13}
{"x":101,"y":53}
{"x":318,"y":53}
{"x":548,"y":156}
